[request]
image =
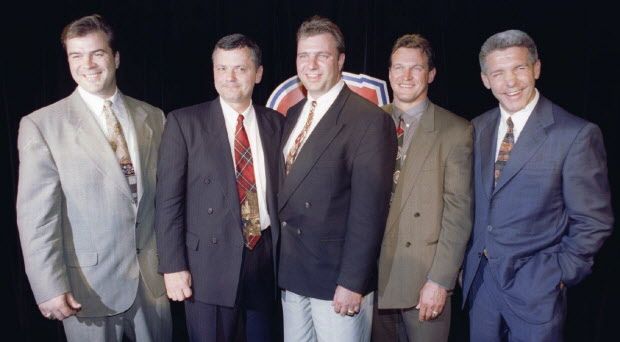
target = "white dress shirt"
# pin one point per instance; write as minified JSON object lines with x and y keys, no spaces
{"x":258,"y":157}
{"x":518,"y":120}
{"x":322,"y":105}
{"x":95,"y":104}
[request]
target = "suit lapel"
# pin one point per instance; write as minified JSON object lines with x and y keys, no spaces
{"x":530,"y":140}
{"x":270,"y":145}
{"x":143,"y":140}
{"x":315,"y":145}
{"x":90,"y":137}
{"x":421,"y":145}
{"x":217,"y":149}
{"x":488,"y":144}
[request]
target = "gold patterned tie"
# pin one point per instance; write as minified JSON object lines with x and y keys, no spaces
{"x":114,"y":134}
{"x":294,"y":151}
{"x":504,"y":149}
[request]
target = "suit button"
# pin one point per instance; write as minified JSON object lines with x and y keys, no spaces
{"x":214,"y":240}
{"x":308,"y":205}
{"x":137,"y":224}
{"x":207,"y":181}
{"x":284,"y":223}
{"x":137,"y":250}
{"x":416,"y":215}
{"x":210,"y":211}
{"x":407,"y":244}
{"x":298,"y":231}
{"x":489,"y":228}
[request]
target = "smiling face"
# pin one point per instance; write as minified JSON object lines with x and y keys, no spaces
{"x":93,"y":64}
{"x":409,"y":77}
{"x":318,"y":63}
{"x":511,"y":77}
{"x":235,"y":75}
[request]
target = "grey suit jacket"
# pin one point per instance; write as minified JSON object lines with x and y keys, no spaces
{"x":79,"y":230}
{"x":430,"y":216}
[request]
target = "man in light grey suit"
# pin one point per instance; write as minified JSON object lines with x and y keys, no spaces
{"x":429,"y":221}
{"x":85,"y":204}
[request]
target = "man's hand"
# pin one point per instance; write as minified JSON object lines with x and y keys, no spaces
{"x":60,"y":307}
{"x":432,"y":300}
{"x":346,"y":302}
{"x":178,"y":285}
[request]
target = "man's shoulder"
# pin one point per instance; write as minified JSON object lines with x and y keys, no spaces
{"x":51,"y":111}
{"x":133,"y":102}
{"x":362,"y":108}
{"x":449,"y":117}
{"x":196,"y":110}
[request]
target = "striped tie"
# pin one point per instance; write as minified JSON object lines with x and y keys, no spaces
{"x":504,"y":149}
{"x":114,"y":134}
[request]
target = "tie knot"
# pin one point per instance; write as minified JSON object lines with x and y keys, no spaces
{"x":107,"y":104}
{"x":240,"y":119}
{"x":509,"y":123}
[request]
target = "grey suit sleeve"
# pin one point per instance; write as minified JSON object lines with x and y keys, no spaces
{"x":456,"y":221}
{"x":170,"y":198}
{"x":39,"y":214}
{"x":587,"y":200}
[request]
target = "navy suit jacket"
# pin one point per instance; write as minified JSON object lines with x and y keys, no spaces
{"x":198,"y":220}
{"x":333,"y":203}
{"x":549,"y":212}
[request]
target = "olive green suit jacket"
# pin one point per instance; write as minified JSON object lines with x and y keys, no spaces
{"x":430,"y":216}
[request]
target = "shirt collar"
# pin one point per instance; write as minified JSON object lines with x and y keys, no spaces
{"x":520,"y":117}
{"x":330,"y":96}
{"x":232,"y":114}
{"x":95,"y":103}
{"x":413,"y":113}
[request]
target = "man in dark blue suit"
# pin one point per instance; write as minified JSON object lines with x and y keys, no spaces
{"x":216,"y":221}
{"x":542,"y":201}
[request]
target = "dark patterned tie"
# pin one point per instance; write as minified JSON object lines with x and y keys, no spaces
{"x":246,"y":186}
{"x":400,"y":136}
{"x":504,"y":149}
{"x":294,"y":151}
{"x":118,"y":143}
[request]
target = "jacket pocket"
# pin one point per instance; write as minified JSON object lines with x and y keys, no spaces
{"x":82,"y":259}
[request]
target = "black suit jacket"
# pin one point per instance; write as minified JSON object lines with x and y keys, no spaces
{"x":333,"y":204}
{"x":198,"y":218}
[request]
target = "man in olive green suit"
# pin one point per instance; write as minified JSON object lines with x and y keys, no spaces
{"x":429,"y":221}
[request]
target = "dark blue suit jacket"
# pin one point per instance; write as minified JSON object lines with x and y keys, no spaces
{"x":197,"y":217}
{"x":333,"y":203}
{"x":549,"y":212}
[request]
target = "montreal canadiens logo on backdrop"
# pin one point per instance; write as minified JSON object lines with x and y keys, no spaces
{"x":291,"y":91}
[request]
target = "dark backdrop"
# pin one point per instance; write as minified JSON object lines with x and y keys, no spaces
{"x":165,"y":60}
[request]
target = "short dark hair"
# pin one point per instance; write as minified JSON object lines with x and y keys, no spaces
{"x":415,"y":41}
{"x":239,"y":41}
{"x":316,"y":25}
{"x":87,"y":25}
{"x":507,"y":39}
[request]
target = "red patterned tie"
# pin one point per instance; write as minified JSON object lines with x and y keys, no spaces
{"x":246,"y":186}
{"x":400,"y":136}
{"x":504,"y":149}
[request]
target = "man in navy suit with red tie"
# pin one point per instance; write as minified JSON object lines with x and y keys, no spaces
{"x":216,"y":220}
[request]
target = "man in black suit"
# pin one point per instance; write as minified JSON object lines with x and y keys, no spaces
{"x":338,"y":154}
{"x":217,"y":225}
